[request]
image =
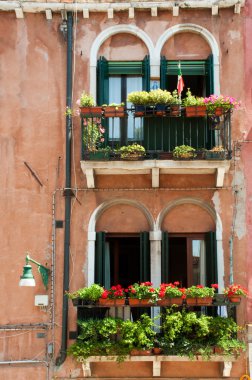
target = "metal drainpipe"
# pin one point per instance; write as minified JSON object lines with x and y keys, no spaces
{"x":67,"y":192}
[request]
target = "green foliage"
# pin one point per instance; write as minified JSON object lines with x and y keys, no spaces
{"x":192,"y":100}
{"x":175,"y":98}
{"x":159,"y":97}
{"x":86,"y":100}
{"x":92,"y":136}
{"x":182,"y":333}
{"x":138,"y":97}
{"x":184,"y":151}
{"x":199,"y":291}
{"x":139,"y":334}
{"x":91,"y":293}
{"x":129,"y":150}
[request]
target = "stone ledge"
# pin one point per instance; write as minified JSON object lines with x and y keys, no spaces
{"x":154,"y":168}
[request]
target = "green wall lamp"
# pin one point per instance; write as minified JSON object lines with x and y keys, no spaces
{"x":27,"y":278}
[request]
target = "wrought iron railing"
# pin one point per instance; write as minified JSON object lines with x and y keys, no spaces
{"x":159,"y":134}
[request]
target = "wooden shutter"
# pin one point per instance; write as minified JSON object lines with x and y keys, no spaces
{"x":211,"y":259}
{"x":165,"y":257}
{"x":209,"y":76}
{"x":144,"y":257}
{"x":100,"y":271}
{"x":102,"y":81}
{"x":146,"y":73}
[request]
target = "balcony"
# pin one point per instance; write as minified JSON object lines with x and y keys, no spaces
{"x":159,"y":134}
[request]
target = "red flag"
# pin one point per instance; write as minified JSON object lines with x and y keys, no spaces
{"x":180,"y":84}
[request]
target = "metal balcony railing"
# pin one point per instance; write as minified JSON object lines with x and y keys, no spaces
{"x":159,"y":133}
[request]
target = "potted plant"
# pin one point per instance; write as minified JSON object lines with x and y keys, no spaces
{"x":114,"y":110}
{"x":175,"y":104}
{"x":219,"y":104}
{"x":140,"y":100}
{"x":138,"y":336}
{"x":132,"y":152}
{"x":194,"y":106}
{"x":200,"y":295}
{"x":93,"y":138}
{"x":88,"y":107}
{"x":216,"y":153}
{"x":169,"y":294}
{"x":86,"y":295}
{"x":184,"y":152}
{"x":115,"y":296}
{"x":159,"y":99}
{"x":235,"y":292}
{"x":140,"y":294}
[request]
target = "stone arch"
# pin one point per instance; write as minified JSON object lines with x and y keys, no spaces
{"x":105,"y":34}
{"x":180,"y":28}
{"x":89,"y":269}
{"x":216,"y":217}
{"x":181,"y":201}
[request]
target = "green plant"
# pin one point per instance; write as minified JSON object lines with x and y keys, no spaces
{"x":93,"y":133}
{"x":184,"y":151}
{"x":199,"y":291}
{"x":192,"y":100}
{"x":91,"y":293}
{"x":175,"y":98}
{"x":141,"y":291}
{"x":231,"y":346}
{"x":138,"y":97}
{"x":235,"y":290}
{"x":86,"y":100}
{"x":159,"y":97}
{"x":139,"y":334}
{"x":97,"y":337}
{"x":129,"y":150}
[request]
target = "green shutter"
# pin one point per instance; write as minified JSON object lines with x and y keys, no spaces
{"x":146,"y":73}
{"x":187,"y":67}
{"x":144,"y":257}
{"x":163,"y":70}
{"x":165,"y":257}
{"x":102,"y":81}
{"x":211,"y":259}
{"x":100,"y":258}
{"x":209,"y":76}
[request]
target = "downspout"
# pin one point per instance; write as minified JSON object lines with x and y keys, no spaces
{"x":67,"y":193}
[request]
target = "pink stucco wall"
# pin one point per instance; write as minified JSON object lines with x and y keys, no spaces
{"x":32,"y":122}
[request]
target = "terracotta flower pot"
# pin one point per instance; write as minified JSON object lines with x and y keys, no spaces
{"x":91,"y":111}
{"x":199,"y":301}
{"x":138,"y":302}
{"x":157,"y":350}
{"x":234,"y":299}
{"x":114,"y":111}
{"x":195,"y":111}
{"x":170,"y":301}
{"x":135,"y":352}
{"x":111,"y":302}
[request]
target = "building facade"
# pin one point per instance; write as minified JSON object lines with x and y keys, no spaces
{"x":154,"y":219}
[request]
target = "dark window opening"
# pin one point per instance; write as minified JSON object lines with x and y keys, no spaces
{"x":196,"y":83}
{"x":124,"y":260}
{"x":178,"y":260}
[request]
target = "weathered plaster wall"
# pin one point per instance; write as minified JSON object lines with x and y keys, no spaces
{"x":33,"y":71}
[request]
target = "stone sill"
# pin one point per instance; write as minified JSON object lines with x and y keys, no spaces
{"x":154,"y":168}
{"x":225,"y":362}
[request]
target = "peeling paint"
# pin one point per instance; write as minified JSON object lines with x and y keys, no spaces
{"x":216,"y":202}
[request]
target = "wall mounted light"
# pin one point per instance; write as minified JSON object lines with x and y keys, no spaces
{"x":27,"y":278}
